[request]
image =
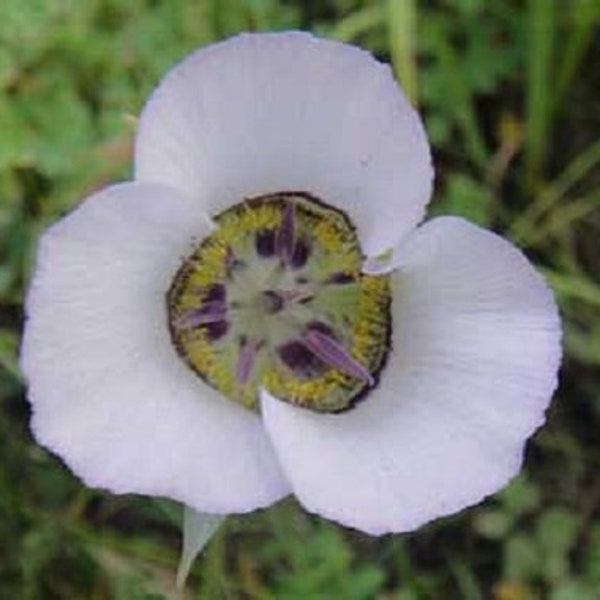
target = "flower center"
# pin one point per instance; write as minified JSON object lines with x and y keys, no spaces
{"x":275,"y":298}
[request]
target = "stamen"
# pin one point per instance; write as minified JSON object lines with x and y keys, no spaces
{"x":246,"y":360}
{"x":335,"y":355}
{"x":209,"y":312}
{"x":284,"y":240}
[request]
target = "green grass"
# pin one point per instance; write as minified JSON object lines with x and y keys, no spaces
{"x":509,"y":92}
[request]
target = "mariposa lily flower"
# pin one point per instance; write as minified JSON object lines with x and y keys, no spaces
{"x":259,"y":312}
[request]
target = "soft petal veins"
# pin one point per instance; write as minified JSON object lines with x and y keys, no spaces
{"x":476,"y":342}
{"x":108,"y":391}
{"x":260,"y":114}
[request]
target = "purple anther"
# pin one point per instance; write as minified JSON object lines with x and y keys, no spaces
{"x":264,"y":241}
{"x":300,"y":254}
{"x":340,"y":278}
{"x":321,"y":327}
{"x":215,"y":292}
{"x":284,"y":238}
{"x":335,"y":355}
{"x":216,"y":330}
{"x":209,"y":312}
{"x":246,"y":360}
{"x":300,"y":360}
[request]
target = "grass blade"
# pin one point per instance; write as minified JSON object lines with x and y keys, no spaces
{"x":584,"y":16}
{"x":541,"y":34}
{"x":357,"y":23}
{"x":548,"y":199}
{"x":459,"y":95}
{"x":402,"y":32}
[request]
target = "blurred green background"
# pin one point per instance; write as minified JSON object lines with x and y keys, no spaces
{"x":510,"y":91}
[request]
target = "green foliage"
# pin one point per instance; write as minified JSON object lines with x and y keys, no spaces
{"x":509,"y":92}
{"x":323,"y":561}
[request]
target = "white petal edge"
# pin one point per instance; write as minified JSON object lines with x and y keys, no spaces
{"x":108,"y":391}
{"x":263,"y":113}
{"x":476,"y":349}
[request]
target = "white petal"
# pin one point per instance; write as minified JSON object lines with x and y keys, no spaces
{"x":263,"y":113}
{"x":109,"y":393}
{"x":476,"y":348}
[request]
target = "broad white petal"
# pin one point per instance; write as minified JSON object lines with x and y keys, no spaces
{"x":263,"y":113}
{"x":109,"y":393}
{"x":476,"y":348}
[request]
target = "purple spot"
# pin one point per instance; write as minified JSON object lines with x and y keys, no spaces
{"x":215,"y":292}
{"x":216,"y":330}
{"x":300,"y":254}
{"x":321,"y":327}
{"x":297,"y":357}
{"x":265,"y":242}
{"x":340,"y":278}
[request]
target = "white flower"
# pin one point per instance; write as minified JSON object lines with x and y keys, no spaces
{"x":453,"y":377}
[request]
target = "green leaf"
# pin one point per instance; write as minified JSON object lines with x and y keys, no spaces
{"x":557,"y":531}
{"x":521,"y":558}
{"x":521,"y":496}
{"x":467,"y":198}
{"x":454,"y":88}
{"x":9,"y":345}
{"x":572,"y":590}
{"x":493,"y":524}
{"x":198,"y":528}
{"x":557,"y":528}
{"x":591,"y":560}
